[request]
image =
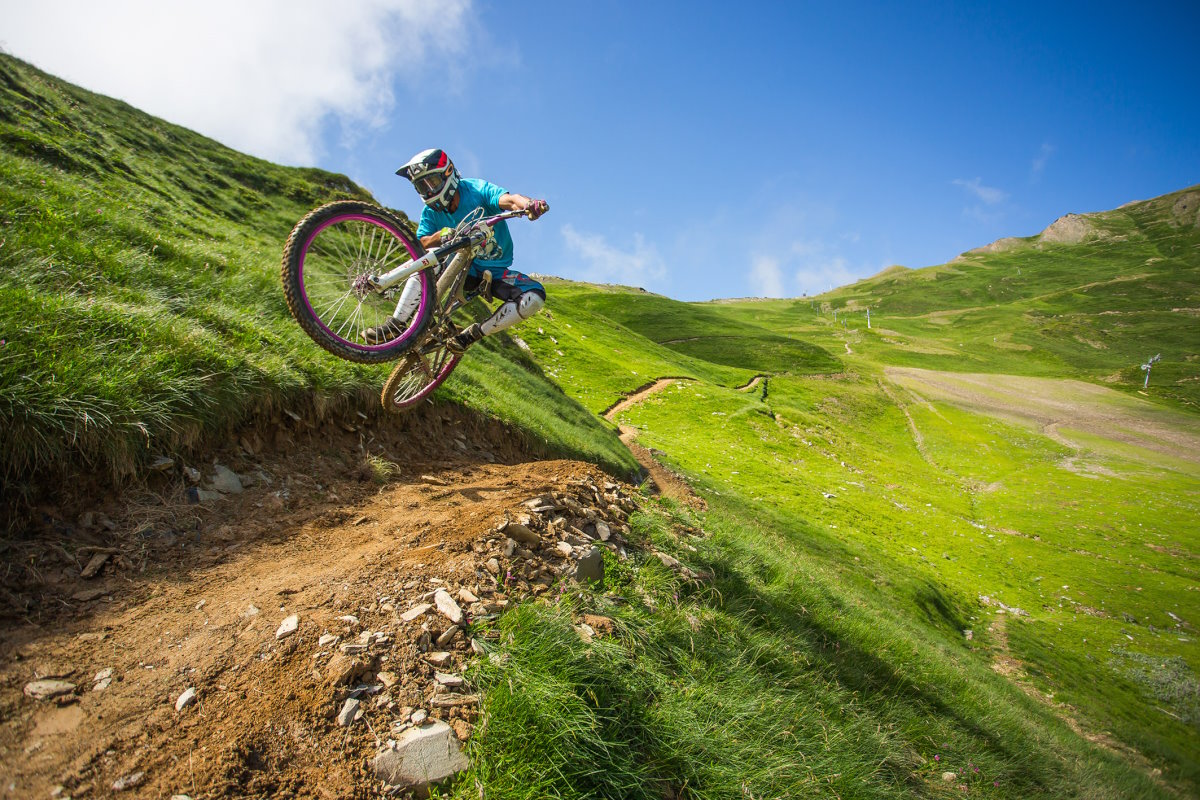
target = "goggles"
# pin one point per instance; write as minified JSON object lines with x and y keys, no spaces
{"x":429,"y":184}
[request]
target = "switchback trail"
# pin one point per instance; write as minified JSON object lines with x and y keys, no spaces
{"x":665,"y":481}
{"x":753,"y":382}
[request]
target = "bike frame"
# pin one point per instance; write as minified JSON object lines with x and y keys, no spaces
{"x":462,"y":250}
{"x":434,"y":257}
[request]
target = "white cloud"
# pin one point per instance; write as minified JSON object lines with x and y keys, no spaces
{"x":766,"y":277}
{"x":263,"y":76}
{"x":820,"y":275}
{"x":604,"y":263}
{"x":802,"y":266}
{"x":986,"y":194}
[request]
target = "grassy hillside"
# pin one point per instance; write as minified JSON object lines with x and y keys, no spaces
{"x":140,"y":301}
{"x":1011,"y":515}
{"x":907,"y":573}
{"x":1123,"y":286}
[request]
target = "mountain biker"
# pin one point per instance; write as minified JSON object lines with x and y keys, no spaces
{"x":448,"y":198}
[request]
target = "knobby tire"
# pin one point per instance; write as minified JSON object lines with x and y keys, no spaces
{"x":326,"y":257}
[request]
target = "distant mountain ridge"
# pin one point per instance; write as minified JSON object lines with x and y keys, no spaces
{"x":1093,"y":295}
{"x":1072,"y":228}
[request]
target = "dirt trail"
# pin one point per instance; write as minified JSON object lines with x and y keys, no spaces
{"x":1011,"y":668}
{"x":192,"y":596}
{"x":640,"y":394}
{"x":1057,"y":407}
{"x":917,"y":438}
{"x":753,"y":382}
{"x":663,"y":480}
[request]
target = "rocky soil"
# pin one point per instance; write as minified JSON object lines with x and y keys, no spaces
{"x":292,"y":620}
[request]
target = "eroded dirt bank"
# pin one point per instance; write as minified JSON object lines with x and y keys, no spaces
{"x":347,"y":529}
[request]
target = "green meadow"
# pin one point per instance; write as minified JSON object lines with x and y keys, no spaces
{"x":954,"y":553}
{"x":948,"y":470}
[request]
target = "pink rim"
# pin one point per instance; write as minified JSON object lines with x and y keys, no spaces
{"x":443,"y":373}
{"x":312,"y":312}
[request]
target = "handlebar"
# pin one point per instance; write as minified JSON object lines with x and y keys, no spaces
{"x":464,"y":239}
{"x":491,"y":221}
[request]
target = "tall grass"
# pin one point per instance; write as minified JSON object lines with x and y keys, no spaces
{"x":784,"y":676}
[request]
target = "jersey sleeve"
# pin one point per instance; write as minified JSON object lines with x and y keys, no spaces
{"x":491,"y":196}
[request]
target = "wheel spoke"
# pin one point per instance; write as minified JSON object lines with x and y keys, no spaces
{"x":337,"y":302}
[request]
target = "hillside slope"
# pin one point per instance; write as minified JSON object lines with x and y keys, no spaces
{"x":140,"y":301}
{"x":1093,"y":296}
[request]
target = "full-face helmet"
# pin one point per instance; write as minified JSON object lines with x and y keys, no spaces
{"x":434,"y":177}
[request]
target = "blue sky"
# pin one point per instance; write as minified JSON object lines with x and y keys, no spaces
{"x":699,"y":150}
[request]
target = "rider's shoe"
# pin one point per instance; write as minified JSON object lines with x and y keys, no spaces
{"x":467,"y":337}
{"x":385,"y":332}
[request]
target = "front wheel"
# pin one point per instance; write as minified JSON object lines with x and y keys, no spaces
{"x":416,"y":377}
{"x":327,"y":261}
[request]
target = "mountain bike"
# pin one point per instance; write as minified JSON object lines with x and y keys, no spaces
{"x":344,"y":266}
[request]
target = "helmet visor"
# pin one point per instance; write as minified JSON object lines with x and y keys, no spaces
{"x":429,"y":184}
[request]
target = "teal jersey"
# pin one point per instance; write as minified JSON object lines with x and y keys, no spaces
{"x":475,"y":193}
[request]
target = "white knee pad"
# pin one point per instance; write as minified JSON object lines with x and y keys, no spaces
{"x":529,"y":304}
{"x":512,"y":312}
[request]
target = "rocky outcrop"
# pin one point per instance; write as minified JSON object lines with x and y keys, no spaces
{"x":1071,"y":229}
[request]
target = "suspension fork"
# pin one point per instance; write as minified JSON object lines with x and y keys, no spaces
{"x":450,"y":282}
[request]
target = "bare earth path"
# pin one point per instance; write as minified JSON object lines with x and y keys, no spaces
{"x":1058,"y":407}
{"x":757,"y":379}
{"x":191,"y":596}
{"x":665,"y":481}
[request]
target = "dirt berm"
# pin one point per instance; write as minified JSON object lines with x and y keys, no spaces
{"x":187,"y":595}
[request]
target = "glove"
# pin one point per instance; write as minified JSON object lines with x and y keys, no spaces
{"x":445,"y":234}
{"x":536,"y":208}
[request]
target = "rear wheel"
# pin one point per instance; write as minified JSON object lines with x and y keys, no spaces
{"x":416,"y":377}
{"x":327,"y":261}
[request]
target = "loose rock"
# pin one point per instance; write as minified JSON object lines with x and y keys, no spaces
{"x":591,"y":567}
{"x":226,"y":480}
{"x":421,"y":756}
{"x":289,"y":626}
{"x":454,"y":700}
{"x":446,"y":638}
{"x":186,"y":698}
{"x":415,"y":611}
{"x":446,"y":679}
{"x":50,"y":689}
{"x":162,"y":464}
{"x":438,"y":659}
{"x":348,"y":712}
{"x":521,"y":533}
{"x":94,"y":565}
{"x":128,"y":782}
{"x":343,"y":669}
{"x":446,"y":605}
